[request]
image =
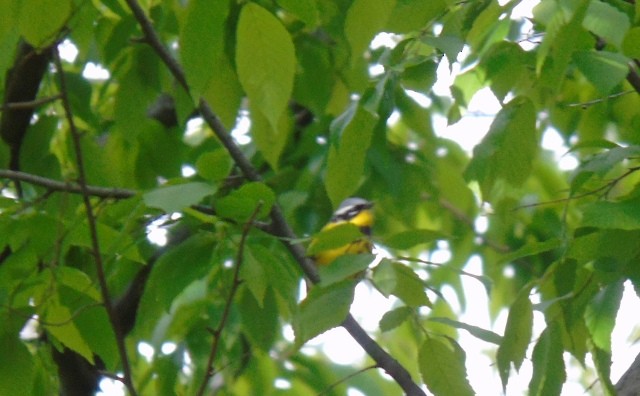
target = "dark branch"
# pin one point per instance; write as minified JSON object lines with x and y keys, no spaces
{"x":54,"y":185}
{"x":93,"y":230}
{"x":30,"y":104}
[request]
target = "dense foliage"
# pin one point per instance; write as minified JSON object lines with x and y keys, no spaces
{"x":93,"y":163}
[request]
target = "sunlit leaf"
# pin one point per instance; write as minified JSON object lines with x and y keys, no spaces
{"x":265,"y":61}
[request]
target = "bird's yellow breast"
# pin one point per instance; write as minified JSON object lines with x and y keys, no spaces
{"x":364,"y":221}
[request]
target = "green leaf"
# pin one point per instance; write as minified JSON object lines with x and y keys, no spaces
{"x":78,"y":281}
{"x":605,"y":70}
{"x":364,"y":19}
{"x":323,"y":309}
{"x":407,"y":239}
{"x":508,"y":150}
{"x":241,"y":203}
{"x":214,"y":165}
{"x":259,"y":318}
{"x":393,"y":278}
{"x":478,"y":332}
{"x":112,"y":242}
{"x":602,"y":361}
{"x":549,"y":373}
{"x":532,"y":249}
{"x":41,"y":21}
{"x":252,"y":274}
{"x":176,"y":269}
{"x":420,"y":77}
{"x":265,"y":61}
{"x":305,"y":10}
{"x":442,"y":366}
{"x":601,"y":314}
{"x":631,"y":43}
{"x":271,"y":142}
{"x":624,"y":215}
{"x":16,"y":363}
{"x":335,"y":237}
{"x":344,"y":267}
{"x":60,"y":324}
{"x":409,"y":15}
{"x":177,"y":197}
{"x":202,"y":41}
{"x":606,"y":21}
{"x":209,"y":70}
{"x":345,"y":164}
{"x":517,"y":335}
{"x":394,"y":318}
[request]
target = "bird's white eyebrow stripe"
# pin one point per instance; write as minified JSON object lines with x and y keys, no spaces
{"x":348,"y":212}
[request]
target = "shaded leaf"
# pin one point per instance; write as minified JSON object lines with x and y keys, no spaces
{"x":407,"y":239}
{"x":241,"y":203}
{"x":355,"y":130}
{"x":549,"y":373}
{"x":601,"y":313}
{"x":442,"y":366}
{"x":393,"y":278}
{"x":478,"y":332}
{"x":177,"y":197}
{"x":605,"y":70}
{"x":517,"y":335}
{"x":394,"y":318}
{"x":344,"y":267}
{"x":335,"y":237}
{"x":323,"y":309}
{"x":508,"y":150}
{"x":623,"y":215}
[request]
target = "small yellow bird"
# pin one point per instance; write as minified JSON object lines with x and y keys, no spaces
{"x":356,"y":211}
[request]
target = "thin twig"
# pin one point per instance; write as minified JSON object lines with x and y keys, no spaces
{"x":480,"y":278}
{"x":588,"y":103}
{"x":345,"y":379}
{"x":55,"y":185}
{"x":29,"y":104}
{"x":606,"y":188}
{"x":217,"y":332}
{"x":280,"y":226}
{"x":93,"y":229}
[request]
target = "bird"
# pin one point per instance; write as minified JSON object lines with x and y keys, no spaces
{"x":354,"y":210}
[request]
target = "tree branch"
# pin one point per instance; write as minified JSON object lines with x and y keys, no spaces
{"x":91,"y":219}
{"x":280,"y":226}
{"x":55,"y":185}
{"x":227,"y":306}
